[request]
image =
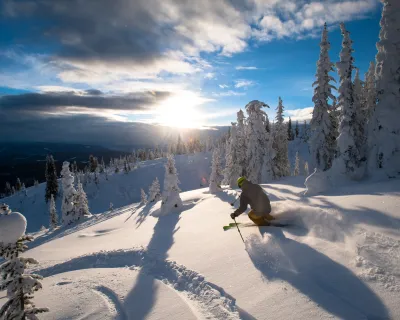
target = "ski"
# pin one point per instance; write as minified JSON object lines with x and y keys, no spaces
{"x":245,"y":225}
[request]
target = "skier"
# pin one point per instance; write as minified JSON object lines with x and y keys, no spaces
{"x":253,"y":195}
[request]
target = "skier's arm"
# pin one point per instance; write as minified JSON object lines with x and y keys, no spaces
{"x":243,"y":205}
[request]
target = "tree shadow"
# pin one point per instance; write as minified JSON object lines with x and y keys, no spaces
{"x":64,"y":231}
{"x":326,"y":282}
{"x":161,"y":241}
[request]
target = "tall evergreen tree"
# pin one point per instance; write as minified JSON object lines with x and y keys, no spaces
{"x":349,"y":152}
{"x":81,"y":203}
{"x":281,"y":166}
{"x":290,"y":135}
{"x":233,"y":169}
{"x":384,"y":156}
{"x":143,"y":197}
{"x":51,"y":179}
{"x":18,"y":185}
{"x":322,"y":145}
{"x":241,"y":143}
{"x":255,"y":138}
{"x":296,"y":129}
{"x":360,"y":121}
{"x":53,"y":213}
{"x":370,"y":92}
{"x":154,"y":191}
{"x":216,"y":172}
{"x":68,"y":208}
{"x":296,"y":170}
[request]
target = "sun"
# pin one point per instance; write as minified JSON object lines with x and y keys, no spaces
{"x":181,"y":110}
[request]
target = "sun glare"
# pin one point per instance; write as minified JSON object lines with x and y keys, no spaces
{"x":182,"y":110}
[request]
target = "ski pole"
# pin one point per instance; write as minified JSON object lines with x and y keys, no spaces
{"x":233,"y":203}
{"x":238,"y":229}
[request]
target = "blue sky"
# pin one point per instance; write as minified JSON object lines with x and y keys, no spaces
{"x":173,"y":62}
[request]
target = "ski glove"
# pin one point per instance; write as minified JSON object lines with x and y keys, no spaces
{"x":234,"y":215}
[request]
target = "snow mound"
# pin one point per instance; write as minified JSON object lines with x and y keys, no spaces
{"x":211,"y":300}
{"x":12,"y":227}
{"x":379,"y":259}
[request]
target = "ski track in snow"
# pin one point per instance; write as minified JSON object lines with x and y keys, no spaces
{"x":112,"y":301}
{"x":211,"y":300}
{"x":379,"y":259}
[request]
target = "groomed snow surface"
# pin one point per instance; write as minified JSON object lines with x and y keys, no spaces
{"x":339,"y":258}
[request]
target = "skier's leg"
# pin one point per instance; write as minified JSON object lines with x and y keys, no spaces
{"x":259,"y":221}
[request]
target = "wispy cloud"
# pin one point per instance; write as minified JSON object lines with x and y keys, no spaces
{"x":210,"y":75}
{"x":228,"y":93}
{"x":223,"y":86}
{"x":246,"y":68}
{"x":244,"y":83}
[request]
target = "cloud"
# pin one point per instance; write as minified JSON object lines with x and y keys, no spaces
{"x":223,"y":86}
{"x":87,"y":101}
{"x":244,"y":83}
{"x":210,"y":75}
{"x":300,"y":114}
{"x":246,"y":68}
{"x":301,"y":19}
{"x":228,"y":93}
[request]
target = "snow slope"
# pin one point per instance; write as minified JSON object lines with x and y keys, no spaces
{"x":339,"y":258}
{"x":121,"y":189}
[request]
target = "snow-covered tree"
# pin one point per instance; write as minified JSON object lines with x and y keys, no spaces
{"x":18,"y":185}
{"x":321,"y":143}
{"x":68,"y":207}
{"x":306,"y":170}
{"x":384,"y":157}
{"x":233,"y":169}
{"x":143,"y":197}
{"x":18,"y":285}
{"x":216,"y":172}
{"x":296,"y":170}
{"x":360,"y":120}
{"x":81,"y":203}
{"x":53,"y":213}
{"x":170,"y":195}
{"x":370,"y":91}
{"x":36,"y":183}
{"x":51,"y":179}
{"x":255,"y":138}
{"x":281,"y":166}
{"x":349,"y":152}
{"x":154,"y":191}
{"x":290,"y":135}
{"x":241,"y":143}
{"x":111,"y":208}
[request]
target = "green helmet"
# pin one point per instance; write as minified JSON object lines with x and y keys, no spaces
{"x":240,"y":181}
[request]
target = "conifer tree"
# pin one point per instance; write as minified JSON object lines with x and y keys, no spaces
{"x":81,"y":203}
{"x":8,"y":190}
{"x":255,"y":138}
{"x":233,"y":169}
{"x":241,"y":143}
{"x":18,"y":185}
{"x":290,"y":130}
{"x":154,"y":191}
{"x":281,"y":167}
{"x":143,"y":197}
{"x":322,"y":145}
{"x":306,"y":170}
{"x":384,"y":157}
{"x":296,"y":130}
{"x":370,"y":92}
{"x":349,"y":152}
{"x":170,"y":195}
{"x":51,"y":179}
{"x":296,"y":171}
{"x":53,"y":213}
{"x":18,"y":285}
{"x":216,"y":172}
{"x":68,"y":208}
